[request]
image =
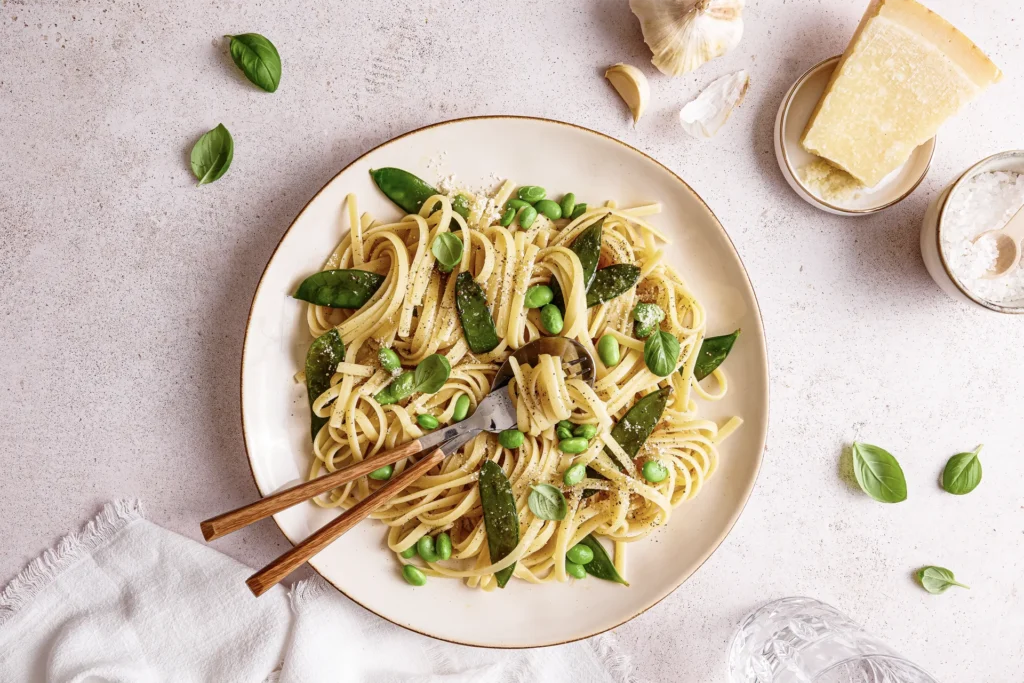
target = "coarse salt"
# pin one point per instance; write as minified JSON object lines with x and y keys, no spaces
{"x":985,"y":202}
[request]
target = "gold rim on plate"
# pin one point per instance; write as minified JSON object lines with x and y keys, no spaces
{"x":762,"y":437}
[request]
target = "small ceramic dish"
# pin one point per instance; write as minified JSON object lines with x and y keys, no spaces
{"x":794,"y":114}
{"x":931,"y":233}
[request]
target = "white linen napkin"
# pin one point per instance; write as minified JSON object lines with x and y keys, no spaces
{"x":126,"y":601}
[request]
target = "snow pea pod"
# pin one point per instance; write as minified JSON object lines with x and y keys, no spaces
{"x":409,"y":191}
{"x":322,"y":359}
{"x":339,"y":288}
{"x":477,"y":323}
{"x":601,"y":566}
{"x":501,"y":519}
{"x":712,"y":352}
{"x":587,"y":247}
{"x":636,"y":425}
{"x":611,"y":282}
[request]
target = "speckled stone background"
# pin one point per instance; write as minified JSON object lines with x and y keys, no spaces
{"x":124,"y":288}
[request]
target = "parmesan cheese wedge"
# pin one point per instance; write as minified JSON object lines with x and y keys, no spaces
{"x":906,"y":71}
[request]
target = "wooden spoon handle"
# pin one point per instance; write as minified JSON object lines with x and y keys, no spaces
{"x":224,"y":524}
{"x":260,"y":582}
{"x":1015,"y":226}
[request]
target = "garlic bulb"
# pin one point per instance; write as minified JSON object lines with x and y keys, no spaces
{"x":683,"y":34}
{"x":631,"y":84}
{"x":702,"y":117}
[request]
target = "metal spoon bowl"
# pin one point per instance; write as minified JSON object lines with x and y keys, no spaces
{"x":569,"y":350}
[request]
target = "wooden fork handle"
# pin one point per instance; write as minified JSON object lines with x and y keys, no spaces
{"x":224,"y":524}
{"x":263,"y":580}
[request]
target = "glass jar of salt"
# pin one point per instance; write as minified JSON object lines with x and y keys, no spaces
{"x":984,"y":198}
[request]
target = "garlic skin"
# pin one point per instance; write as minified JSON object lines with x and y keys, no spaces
{"x":631,"y":84}
{"x":683,"y":34}
{"x":704,"y":116}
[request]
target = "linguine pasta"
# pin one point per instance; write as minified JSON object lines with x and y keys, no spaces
{"x":414,"y":313}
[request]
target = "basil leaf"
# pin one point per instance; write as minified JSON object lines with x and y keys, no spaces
{"x":447,"y":249}
{"x":937,"y":580}
{"x":878,"y":473}
{"x":322,"y":360}
{"x":963,"y":473}
{"x":712,"y":352}
{"x":431,"y":374}
{"x":661,"y":353}
{"x":212,"y":154}
{"x":258,"y":59}
{"x":547,"y":502}
{"x":348,"y":288}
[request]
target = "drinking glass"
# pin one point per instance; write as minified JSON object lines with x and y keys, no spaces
{"x":802,"y":640}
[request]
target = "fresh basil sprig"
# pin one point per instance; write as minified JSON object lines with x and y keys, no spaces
{"x":547,"y":502}
{"x":661,"y":353}
{"x":963,"y":473}
{"x":258,"y":59}
{"x":937,"y":580}
{"x":878,"y":473}
{"x":212,"y":154}
{"x":447,"y":249}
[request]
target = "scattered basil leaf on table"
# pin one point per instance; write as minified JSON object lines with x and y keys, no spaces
{"x":347,"y":288}
{"x":601,"y":566}
{"x":477,"y":323}
{"x":447,"y":249}
{"x":212,"y":154}
{"x":661,"y":353}
{"x":712,"y":352}
{"x":963,"y":473}
{"x":937,"y":580}
{"x":547,"y":502}
{"x":501,"y":518}
{"x":431,"y":374}
{"x":258,"y":59}
{"x":878,"y":473}
{"x":322,"y":360}
{"x":610,"y":282}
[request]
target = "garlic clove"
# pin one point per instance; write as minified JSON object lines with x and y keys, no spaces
{"x":631,"y":84}
{"x":683,"y":34}
{"x":704,"y":116}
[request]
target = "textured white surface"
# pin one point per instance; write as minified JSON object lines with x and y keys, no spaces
{"x":124,"y":289}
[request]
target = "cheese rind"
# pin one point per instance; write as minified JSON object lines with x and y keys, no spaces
{"x":906,"y":71}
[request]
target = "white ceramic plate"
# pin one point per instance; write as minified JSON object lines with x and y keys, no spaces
{"x":561,"y":157}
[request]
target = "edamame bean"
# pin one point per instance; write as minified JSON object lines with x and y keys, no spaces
{"x":413,"y":575}
{"x":408,"y":552}
{"x":576,"y":571}
{"x":382,"y":473}
{"x":511,"y":438}
{"x":425,"y":548}
{"x":575,"y":474}
{"x":460,"y":205}
{"x":527,"y":215}
{"x":579,"y":211}
{"x":461,"y":408}
{"x":608,"y":351}
{"x":588,"y":432}
{"x":427,"y":421}
{"x":580,"y":554}
{"x":573,"y":445}
{"x":389,"y":360}
{"x":443,"y":546}
{"x":516,"y":204}
{"x":402,"y":386}
{"x":508,"y":217}
{"x":537,"y":296}
{"x":654,"y":471}
{"x":532,"y":193}
{"x":551,"y":319}
{"x":565,"y":424}
{"x":568,"y":204}
{"x":562,"y":433}
{"x":549,"y":208}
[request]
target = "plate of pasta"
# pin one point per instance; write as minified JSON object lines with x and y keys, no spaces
{"x":384,"y":315}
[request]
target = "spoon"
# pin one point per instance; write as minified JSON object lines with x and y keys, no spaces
{"x":1007,"y":240}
